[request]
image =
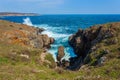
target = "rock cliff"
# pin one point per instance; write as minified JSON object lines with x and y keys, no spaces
{"x":94,"y":43}
{"x":24,"y":35}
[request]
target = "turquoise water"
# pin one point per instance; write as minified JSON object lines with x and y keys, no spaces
{"x":61,"y":27}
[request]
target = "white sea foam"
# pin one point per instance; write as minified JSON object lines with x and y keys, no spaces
{"x":61,"y":40}
{"x":53,"y":34}
{"x":27,"y":21}
{"x":51,"y":31}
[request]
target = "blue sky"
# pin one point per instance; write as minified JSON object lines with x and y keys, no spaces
{"x":61,"y":6}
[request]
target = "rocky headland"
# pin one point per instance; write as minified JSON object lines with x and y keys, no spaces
{"x":95,"y":46}
{"x":20,"y":43}
{"x":24,"y":35}
{"x":17,"y":14}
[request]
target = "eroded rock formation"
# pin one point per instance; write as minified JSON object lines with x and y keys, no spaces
{"x":88,"y":43}
{"x":24,"y":35}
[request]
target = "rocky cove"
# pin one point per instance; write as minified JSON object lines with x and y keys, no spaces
{"x":94,"y":46}
{"x":91,"y":45}
{"x":83,"y":41}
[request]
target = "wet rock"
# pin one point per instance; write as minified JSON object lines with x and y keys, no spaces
{"x":52,"y":40}
{"x":60,"y":53}
{"x":39,"y":30}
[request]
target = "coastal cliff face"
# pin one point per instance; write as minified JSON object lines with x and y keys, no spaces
{"x":97,"y":44}
{"x":23,"y":51}
{"x":24,"y":35}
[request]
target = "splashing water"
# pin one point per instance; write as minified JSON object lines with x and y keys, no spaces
{"x":27,"y":21}
{"x":61,"y":39}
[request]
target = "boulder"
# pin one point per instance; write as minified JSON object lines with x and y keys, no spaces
{"x":46,"y":40}
{"x":52,"y":40}
{"x":60,"y":53}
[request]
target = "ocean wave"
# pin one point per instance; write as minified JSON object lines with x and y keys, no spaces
{"x":61,"y":39}
{"x":56,"y":32}
{"x":27,"y":21}
{"x":54,"y":35}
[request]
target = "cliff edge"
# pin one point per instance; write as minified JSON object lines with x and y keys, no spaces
{"x":97,"y":45}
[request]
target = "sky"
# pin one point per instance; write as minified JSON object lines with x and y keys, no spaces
{"x":61,"y":6}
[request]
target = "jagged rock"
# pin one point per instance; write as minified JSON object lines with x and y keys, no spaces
{"x":60,"y":53}
{"x":39,"y":30}
{"x":41,"y":41}
{"x":25,"y":35}
{"x":84,"y":42}
{"x":52,"y":40}
{"x":62,"y":62}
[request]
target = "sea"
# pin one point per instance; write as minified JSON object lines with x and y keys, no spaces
{"x":60,"y":27}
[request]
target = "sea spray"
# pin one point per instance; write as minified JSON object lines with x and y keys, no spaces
{"x":61,"y":39}
{"x":27,"y":21}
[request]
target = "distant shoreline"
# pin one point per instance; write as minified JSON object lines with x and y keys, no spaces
{"x":17,"y":14}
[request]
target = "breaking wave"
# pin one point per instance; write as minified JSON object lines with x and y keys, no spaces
{"x":61,"y":39}
{"x":27,"y":21}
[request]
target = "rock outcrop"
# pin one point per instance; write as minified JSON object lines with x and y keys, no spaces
{"x":60,"y":53}
{"x":24,"y":43}
{"x":87,"y":42}
{"x":62,"y":62}
{"x":24,"y":35}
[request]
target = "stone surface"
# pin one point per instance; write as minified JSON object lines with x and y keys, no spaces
{"x":60,"y":53}
{"x":86,"y":43}
{"x":24,"y":35}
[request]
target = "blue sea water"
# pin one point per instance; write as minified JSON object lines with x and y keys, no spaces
{"x":61,"y":27}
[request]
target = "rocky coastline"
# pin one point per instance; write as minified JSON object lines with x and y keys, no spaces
{"x":17,"y":14}
{"x":92,"y":45}
{"x":23,"y":51}
{"x":24,"y":35}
